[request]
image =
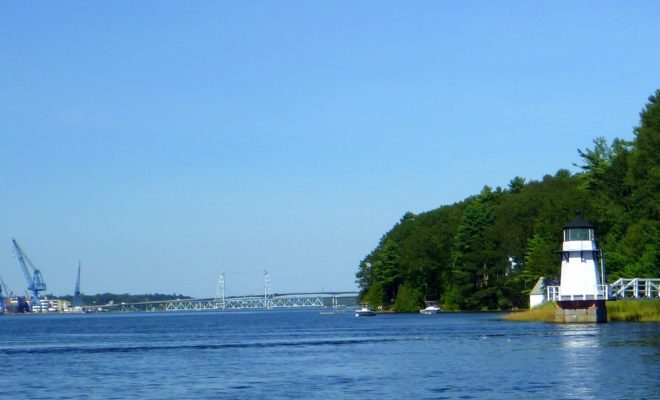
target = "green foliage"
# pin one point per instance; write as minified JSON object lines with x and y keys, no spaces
{"x":375,"y":296}
{"x":634,"y":310}
{"x":516,"y":185}
{"x":596,"y":163}
{"x":106,"y":298}
{"x":452,"y":298}
{"x":626,"y":189}
{"x":540,"y":257}
{"x":473,"y":256}
{"x":460,"y":253}
{"x":408,"y":299}
{"x":644,"y":164}
{"x":387,"y":269}
{"x":622,"y":310}
{"x":542,"y":313}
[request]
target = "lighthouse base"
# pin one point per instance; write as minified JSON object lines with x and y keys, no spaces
{"x":580,"y":311}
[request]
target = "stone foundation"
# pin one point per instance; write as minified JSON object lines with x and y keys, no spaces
{"x":580,"y":311}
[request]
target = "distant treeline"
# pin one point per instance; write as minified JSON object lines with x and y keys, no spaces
{"x":487,"y":251}
{"x":106,"y":298}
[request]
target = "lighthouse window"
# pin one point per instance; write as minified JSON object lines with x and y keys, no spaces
{"x":578,"y":234}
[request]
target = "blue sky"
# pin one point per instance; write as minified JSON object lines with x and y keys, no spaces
{"x":164,"y":142}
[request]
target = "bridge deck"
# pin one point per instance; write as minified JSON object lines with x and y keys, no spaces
{"x":282,"y":300}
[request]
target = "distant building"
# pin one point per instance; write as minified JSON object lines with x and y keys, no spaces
{"x":53,"y":305}
{"x":17,"y":305}
{"x":538,"y":294}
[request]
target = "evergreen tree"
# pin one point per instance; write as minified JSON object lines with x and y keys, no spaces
{"x":459,"y":253}
{"x":470,"y":257}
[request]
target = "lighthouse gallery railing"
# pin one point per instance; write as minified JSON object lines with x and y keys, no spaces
{"x":623,"y":288}
{"x":600,"y":292}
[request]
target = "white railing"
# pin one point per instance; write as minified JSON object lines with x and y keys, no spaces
{"x":623,"y":288}
{"x":600,"y":292}
{"x":636,"y":288}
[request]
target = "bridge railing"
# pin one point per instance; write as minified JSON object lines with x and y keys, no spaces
{"x":625,"y":288}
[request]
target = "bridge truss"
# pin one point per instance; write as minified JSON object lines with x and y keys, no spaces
{"x":220,"y":302}
{"x":292,"y":300}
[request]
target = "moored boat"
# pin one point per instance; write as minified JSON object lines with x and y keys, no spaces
{"x":365,"y":311}
{"x":431,"y":308}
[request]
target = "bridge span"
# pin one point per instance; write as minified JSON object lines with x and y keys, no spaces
{"x":266,"y":301}
{"x":251,"y":302}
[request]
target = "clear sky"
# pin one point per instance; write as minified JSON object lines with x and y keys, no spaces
{"x":162,"y":142}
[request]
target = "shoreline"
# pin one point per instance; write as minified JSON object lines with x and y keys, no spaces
{"x":647,"y":310}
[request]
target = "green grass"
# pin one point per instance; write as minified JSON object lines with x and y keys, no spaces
{"x":621,"y":310}
{"x":634,"y":310}
{"x":544,"y":313}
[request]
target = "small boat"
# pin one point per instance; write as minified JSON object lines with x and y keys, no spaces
{"x":431,"y":308}
{"x":365,"y":312}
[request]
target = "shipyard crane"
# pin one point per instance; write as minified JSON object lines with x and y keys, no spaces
{"x":34,"y":280}
{"x":3,"y":292}
{"x":4,"y":289}
{"x":77,"y":296}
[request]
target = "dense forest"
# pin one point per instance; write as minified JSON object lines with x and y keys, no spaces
{"x":487,"y":251}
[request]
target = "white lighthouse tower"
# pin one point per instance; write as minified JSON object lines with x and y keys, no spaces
{"x":582,"y":289}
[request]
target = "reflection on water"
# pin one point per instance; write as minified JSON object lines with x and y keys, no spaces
{"x":615,"y":360}
{"x":305,"y":355}
{"x":580,"y":368}
{"x":579,"y":335}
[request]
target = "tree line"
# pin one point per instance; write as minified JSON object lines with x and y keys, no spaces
{"x":487,"y":251}
{"x":116,"y":298}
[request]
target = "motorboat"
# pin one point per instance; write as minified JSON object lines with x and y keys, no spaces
{"x":365,"y":311}
{"x":431,"y":308}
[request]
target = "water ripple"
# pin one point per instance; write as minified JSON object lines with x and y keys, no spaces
{"x":132,"y":349}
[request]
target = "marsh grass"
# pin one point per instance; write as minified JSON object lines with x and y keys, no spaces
{"x":621,"y":310}
{"x":634,"y":310}
{"x":543,"y":313}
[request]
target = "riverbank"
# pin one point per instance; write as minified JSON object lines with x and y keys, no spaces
{"x":621,"y":310}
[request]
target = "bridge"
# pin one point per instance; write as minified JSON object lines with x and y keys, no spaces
{"x":275,"y":301}
{"x":636,"y":288}
{"x":623,"y":288}
{"x":220,"y":302}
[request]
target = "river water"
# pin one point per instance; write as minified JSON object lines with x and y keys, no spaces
{"x":304,"y":354}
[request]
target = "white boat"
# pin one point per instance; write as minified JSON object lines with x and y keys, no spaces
{"x":431,"y":308}
{"x":365,"y":312}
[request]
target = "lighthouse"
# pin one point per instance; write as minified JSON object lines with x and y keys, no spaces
{"x":582,"y":289}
